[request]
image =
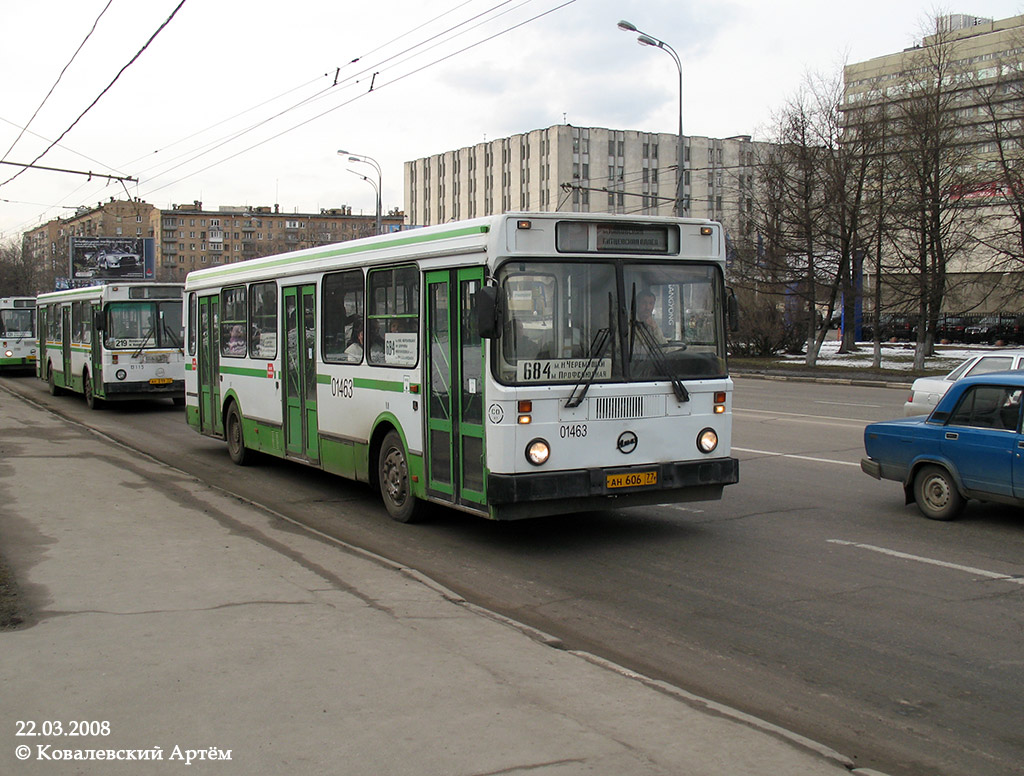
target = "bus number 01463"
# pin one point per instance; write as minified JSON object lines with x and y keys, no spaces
{"x":342,"y":387}
{"x":573,"y":430}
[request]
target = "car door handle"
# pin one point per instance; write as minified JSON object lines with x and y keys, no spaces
{"x":1020,"y":445}
{"x":952,"y":435}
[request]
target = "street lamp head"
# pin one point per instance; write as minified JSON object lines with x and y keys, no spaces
{"x":627,"y":26}
{"x":647,"y":40}
{"x":342,"y":153}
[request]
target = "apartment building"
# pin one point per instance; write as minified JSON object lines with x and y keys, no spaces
{"x":189,"y":237}
{"x":585,"y":169}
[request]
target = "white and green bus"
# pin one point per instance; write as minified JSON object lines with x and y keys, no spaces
{"x":17,"y":334}
{"x":113,"y":342}
{"x":511,"y":366}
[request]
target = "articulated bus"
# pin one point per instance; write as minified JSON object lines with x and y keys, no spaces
{"x":17,"y":334}
{"x":113,"y":342}
{"x":511,"y":366}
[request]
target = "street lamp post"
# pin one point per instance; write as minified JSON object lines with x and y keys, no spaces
{"x":380,"y":179}
{"x":644,"y":39}
{"x":376,"y":191}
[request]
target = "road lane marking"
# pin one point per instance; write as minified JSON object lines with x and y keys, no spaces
{"x":848,"y":404}
{"x":771,"y":454}
{"x":775,"y":413}
{"x":1017,"y":580}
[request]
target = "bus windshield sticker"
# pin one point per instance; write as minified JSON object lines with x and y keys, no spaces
{"x":561,"y":370}
{"x":400,"y":349}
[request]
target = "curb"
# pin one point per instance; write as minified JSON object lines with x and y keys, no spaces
{"x":824,"y":380}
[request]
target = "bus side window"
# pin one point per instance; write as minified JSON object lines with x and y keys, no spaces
{"x":233,"y":322}
{"x":263,"y":315}
{"x":342,"y":307}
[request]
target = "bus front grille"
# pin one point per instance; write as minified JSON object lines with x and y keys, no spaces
{"x":618,"y":407}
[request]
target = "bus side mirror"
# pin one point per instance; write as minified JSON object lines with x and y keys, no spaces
{"x":488,"y":311}
{"x":99,"y":321}
{"x":733,"y":308}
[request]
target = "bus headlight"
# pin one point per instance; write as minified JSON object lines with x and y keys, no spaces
{"x":9,"y":353}
{"x":538,"y":452}
{"x":121,"y":374}
{"x":707,"y":440}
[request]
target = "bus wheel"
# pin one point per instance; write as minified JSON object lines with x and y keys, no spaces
{"x":52,"y":381}
{"x":91,"y":399}
{"x":239,"y":453}
{"x":393,"y":474}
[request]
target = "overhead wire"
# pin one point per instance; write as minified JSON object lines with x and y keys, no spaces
{"x":100,"y":95}
{"x":364,"y":94}
{"x":59,"y":77}
{"x":347,"y":83}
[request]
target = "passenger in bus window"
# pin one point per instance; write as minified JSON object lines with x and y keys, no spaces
{"x":236,"y":342}
{"x":645,"y":315}
{"x":354,"y":351}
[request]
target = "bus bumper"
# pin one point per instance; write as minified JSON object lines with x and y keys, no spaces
{"x":516,"y":496}
{"x":140,"y":390}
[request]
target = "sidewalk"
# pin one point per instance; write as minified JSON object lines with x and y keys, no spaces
{"x":192,"y":622}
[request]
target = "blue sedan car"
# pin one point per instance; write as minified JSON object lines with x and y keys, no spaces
{"x":970,"y":446}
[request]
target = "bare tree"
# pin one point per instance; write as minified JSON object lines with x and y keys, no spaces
{"x":929,"y":165}
{"x":18,"y":275}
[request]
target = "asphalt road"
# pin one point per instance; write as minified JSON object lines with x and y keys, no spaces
{"x":809,"y":596}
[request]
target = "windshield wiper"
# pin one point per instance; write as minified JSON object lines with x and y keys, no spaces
{"x":641,"y":332}
{"x":174,"y":339}
{"x":145,"y":341}
{"x":598,"y":347}
{"x":639,"y":329}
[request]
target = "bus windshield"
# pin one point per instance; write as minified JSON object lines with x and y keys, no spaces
{"x":144,"y":325}
{"x":613,"y":321}
{"x":17,"y":323}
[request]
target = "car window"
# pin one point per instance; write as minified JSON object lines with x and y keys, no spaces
{"x":988,"y":364}
{"x":988,"y":406}
{"x":957,"y":373}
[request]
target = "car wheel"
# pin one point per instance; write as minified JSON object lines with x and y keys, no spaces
{"x":936,"y":493}
{"x":393,"y":475}
{"x":233,"y":431}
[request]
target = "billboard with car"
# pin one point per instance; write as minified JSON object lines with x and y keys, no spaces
{"x":95,"y":259}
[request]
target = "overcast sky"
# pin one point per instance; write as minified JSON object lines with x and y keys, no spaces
{"x":247,"y":103}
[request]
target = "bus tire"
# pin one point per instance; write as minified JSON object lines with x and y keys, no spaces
{"x":235,"y":435}
{"x":393,"y":476}
{"x":91,"y":399}
{"x":52,"y":381}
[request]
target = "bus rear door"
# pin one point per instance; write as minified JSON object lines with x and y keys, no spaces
{"x":300,"y":380}
{"x":65,"y":333}
{"x":210,"y":420}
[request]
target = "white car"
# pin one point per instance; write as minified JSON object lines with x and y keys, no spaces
{"x":926,"y":391}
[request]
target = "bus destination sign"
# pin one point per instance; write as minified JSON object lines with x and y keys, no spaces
{"x":632,"y":239}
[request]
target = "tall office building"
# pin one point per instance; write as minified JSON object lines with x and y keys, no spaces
{"x":585,"y":170}
{"x":980,"y":63}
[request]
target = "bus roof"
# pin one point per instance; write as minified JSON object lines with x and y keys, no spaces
{"x":480,"y":235}
{"x":111,"y":291}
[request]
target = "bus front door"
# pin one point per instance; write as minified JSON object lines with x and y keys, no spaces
{"x":95,"y":350}
{"x":455,"y":387}
{"x":300,"y":418}
{"x":210,"y":420}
